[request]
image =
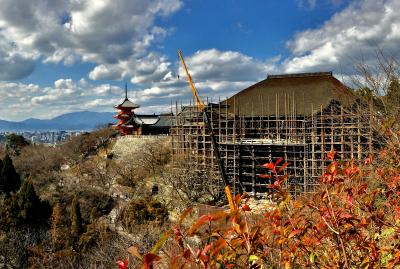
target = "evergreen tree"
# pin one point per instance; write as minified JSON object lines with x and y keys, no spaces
{"x":2,"y":183}
{"x":56,"y":226}
{"x":76,"y":220}
{"x":24,"y":208}
{"x":8,"y":214}
{"x":30,"y":206}
{"x":15,"y":143}
{"x":89,"y":239}
{"x":393,"y":98}
{"x":9,"y":178}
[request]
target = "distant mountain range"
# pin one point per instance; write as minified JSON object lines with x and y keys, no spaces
{"x":83,"y":120}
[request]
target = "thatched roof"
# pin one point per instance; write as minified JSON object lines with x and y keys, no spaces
{"x":292,"y":93}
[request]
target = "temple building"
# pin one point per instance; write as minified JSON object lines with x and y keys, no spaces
{"x":297,"y":117}
{"x":130,"y":123}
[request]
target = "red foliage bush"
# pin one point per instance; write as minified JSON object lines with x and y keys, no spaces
{"x":352,"y":221}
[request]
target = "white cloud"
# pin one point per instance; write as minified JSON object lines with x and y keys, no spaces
{"x":15,"y":64}
{"x":64,"y":84}
{"x":106,"y":72}
{"x":20,"y":101}
{"x":143,"y":70}
{"x":117,"y":35}
{"x":222,"y":73}
{"x":215,"y":65}
{"x":67,"y":31}
{"x":350,"y":36}
{"x":218,"y":74}
{"x":215,"y":71}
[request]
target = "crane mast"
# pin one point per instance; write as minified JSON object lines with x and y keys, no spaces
{"x":202,"y":108}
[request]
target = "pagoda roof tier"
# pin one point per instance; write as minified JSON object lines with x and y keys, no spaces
{"x":122,"y":116}
{"x":122,"y":125}
{"x":127,"y":104}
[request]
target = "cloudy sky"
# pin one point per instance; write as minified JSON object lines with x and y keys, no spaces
{"x":59,"y":56}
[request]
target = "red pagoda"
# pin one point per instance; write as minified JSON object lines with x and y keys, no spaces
{"x":125,"y":116}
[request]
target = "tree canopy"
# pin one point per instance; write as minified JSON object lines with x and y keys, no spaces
{"x":15,"y":143}
{"x":9,"y":179}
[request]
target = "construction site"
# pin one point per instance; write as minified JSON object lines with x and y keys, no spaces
{"x":297,"y":117}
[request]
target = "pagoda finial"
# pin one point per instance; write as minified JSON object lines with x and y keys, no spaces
{"x":126,"y":90}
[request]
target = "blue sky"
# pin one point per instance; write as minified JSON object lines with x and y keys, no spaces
{"x":256,"y":28}
{"x":59,"y":56}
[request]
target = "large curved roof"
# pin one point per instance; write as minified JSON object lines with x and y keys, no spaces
{"x":281,"y":94}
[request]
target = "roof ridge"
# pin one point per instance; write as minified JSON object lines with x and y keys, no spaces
{"x":310,"y":74}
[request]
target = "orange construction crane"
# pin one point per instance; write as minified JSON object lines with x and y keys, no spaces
{"x":202,"y":108}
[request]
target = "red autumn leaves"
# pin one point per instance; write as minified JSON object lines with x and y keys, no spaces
{"x":351,"y":221}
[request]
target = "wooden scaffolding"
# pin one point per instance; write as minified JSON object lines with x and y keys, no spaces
{"x":248,"y":142}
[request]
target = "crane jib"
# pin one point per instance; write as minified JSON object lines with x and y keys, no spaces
{"x":202,"y":108}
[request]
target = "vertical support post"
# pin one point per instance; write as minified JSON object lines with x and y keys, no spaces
{"x":370,"y":133}
{"x":253,"y":171}
{"x":233,"y":139}
{"x":313,"y":133}
{"x":270,"y":134}
{"x":322,"y":140}
{"x":332,"y":129}
{"x":359,"y":148}
{"x":240,"y":167}
{"x":342,"y":125}
{"x":351,"y":135}
{"x":219,"y":122}
{"x":276,"y":117}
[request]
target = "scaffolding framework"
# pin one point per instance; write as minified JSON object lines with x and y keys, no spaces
{"x":248,"y":142}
